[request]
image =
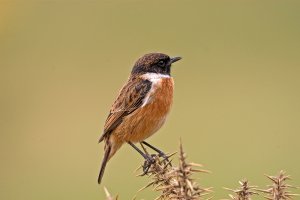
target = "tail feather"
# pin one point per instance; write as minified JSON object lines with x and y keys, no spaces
{"x":104,"y":161}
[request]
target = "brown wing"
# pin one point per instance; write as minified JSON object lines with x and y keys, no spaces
{"x":130,"y":98}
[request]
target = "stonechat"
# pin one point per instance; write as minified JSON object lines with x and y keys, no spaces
{"x":141,"y":107}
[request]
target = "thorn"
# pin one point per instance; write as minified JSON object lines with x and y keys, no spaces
{"x":107,"y":194}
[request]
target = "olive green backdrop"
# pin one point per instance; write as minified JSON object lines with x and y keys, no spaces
{"x":237,"y":94}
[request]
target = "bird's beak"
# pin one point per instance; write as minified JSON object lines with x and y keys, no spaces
{"x":175,"y":59}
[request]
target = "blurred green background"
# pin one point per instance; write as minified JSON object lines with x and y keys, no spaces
{"x":237,"y":95}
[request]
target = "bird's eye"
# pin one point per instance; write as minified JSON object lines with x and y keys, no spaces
{"x":161,"y":63}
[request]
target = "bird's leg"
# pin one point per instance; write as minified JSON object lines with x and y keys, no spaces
{"x":160,"y":153}
{"x":148,"y":159}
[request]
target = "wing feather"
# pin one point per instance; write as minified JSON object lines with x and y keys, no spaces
{"x":130,"y":98}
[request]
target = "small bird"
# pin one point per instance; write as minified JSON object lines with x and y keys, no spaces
{"x":141,"y":107}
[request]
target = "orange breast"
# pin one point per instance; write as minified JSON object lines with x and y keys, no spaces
{"x":148,"y":119}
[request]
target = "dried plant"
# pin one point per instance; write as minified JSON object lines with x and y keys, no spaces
{"x":279,"y":190}
{"x":108,"y":195}
{"x":244,"y":192}
{"x":176,"y":183}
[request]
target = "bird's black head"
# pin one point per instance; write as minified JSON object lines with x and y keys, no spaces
{"x":154,"y":63}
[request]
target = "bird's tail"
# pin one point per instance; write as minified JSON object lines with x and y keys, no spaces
{"x":107,"y":152}
{"x":111,"y":147}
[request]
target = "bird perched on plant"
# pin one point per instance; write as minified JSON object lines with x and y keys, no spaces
{"x":141,"y":107}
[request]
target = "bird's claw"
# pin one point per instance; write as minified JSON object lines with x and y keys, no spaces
{"x":165,"y":158}
{"x":148,"y":163}
{"x":150,"y":160}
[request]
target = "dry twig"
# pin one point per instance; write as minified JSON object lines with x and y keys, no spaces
{"x":279,"y":190}
{"x":176,"y":183}
{"x":108,"y":195}
{"x":244,"y":192}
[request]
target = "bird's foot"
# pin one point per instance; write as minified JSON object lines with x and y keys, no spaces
{"x":160,"y":153}
{"x":165,"y":158}
{"x":149,"y":161}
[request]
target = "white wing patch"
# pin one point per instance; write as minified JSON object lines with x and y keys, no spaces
{"x":156,"y":80}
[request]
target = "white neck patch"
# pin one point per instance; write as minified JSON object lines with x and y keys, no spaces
{"x":153,"y":76}
{"x":156,"y":80}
